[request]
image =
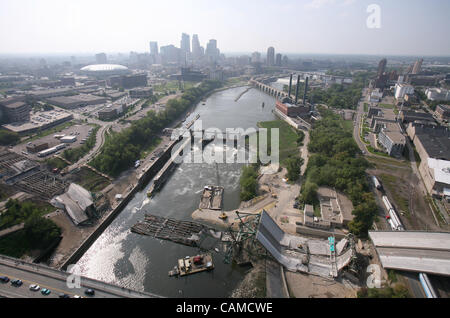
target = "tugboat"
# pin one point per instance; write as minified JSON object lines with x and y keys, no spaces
{"x":192,"y":265}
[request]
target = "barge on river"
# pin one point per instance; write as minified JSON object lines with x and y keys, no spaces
{"x":192,"y":265}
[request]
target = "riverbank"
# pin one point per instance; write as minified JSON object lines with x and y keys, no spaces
{"x":77,"y":240}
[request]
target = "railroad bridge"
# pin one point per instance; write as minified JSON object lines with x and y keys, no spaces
{"x":265,"y":88}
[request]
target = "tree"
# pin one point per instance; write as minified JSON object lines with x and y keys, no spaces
{"x":248,"y":182}
{"x":293,"y":166}
{"x":40,"y":231}
{"x":309,"y":193}
{"x":8,"y":138}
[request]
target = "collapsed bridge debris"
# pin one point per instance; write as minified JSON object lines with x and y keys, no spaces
{"x":183,"y":232}
{"x":299,"y":254}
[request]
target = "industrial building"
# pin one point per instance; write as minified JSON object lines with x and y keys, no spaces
{"x":375,"y":96}
{"x":37,"y":147}
{"x":403,"y":89}
{"x":438,"y":94}
{"x":380,"y":117}
{"x":334,"y":212}
{"x":128,"y":81}
{"x":39,"y":121}
{"x":77,"y":202}
{"x":187,"y":74}
{"x":291,"y":108}
{"x":111,"y":112}
{"x":432,"y":143}
{"x":436,"y":177}
{"x":443,"y":111}
{"x":409,"y":116}
{"x":48,"y":93}
{"x":76,"y":101}
{"x":141,"y":92}
{"x":391,"y":138}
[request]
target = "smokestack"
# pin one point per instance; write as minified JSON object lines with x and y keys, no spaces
{"x":306,"y":90}
{"x":290,"y":87}
{"x":298,"y":86}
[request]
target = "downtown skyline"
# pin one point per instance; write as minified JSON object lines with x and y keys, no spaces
{"x":322,"y":26}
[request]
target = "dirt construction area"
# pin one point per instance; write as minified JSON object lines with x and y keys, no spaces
{"x":309,"y":286}
{"x":401,"y":186}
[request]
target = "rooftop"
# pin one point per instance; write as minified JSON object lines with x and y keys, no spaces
{"x":437,"y":147}
{"x":441,"y":170}
{"x":427,"y":252}
{"x":104,"y":68}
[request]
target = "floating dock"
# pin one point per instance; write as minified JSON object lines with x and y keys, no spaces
{"x":192,"y":265}
{"x":212,"y":198}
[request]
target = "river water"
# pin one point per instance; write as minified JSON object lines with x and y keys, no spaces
{"x":142,"y":263}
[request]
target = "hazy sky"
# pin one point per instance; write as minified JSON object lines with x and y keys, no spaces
{"x":409,"y":27}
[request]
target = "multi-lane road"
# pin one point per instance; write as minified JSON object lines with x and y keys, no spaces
{"x":56,"y":282}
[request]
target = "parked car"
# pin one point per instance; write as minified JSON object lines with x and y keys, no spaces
{"x":89,"y":292}
{"x":16,"y":282}
{"x":35,"y":287}
{"x":45,"y":291}
{"x":64,"y":296}
{"x":4,"y":279}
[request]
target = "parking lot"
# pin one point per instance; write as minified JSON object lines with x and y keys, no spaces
{"x":80,"y":131}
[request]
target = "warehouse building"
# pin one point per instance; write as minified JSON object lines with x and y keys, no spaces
{"x":128,"y":81}
{"x":142,"y":92}
{"x":391,"y":138}
{"x":76,"y":101}
{"x":77,"y":202}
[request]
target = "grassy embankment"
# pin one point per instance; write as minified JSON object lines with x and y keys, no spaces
{"x":289,"y":142}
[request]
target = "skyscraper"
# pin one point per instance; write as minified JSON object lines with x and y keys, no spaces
{"x":212,"y":52}
{"x":171,"y":54}
{"x":154,"y":48}
{"x":270,"y":56}
{"x":256,"y":57}
{"x":196,"y":48}
{"x":154,"y":53}
{"x":100,"y":58}
{"x":278,"y":59}
{"x":417,"y":67}
{"x":381,"y":67}
{"x":185,"y":43}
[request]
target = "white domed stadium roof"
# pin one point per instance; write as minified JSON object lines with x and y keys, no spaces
{"x":104,"y":68}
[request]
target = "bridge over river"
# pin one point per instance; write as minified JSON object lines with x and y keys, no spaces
{"x":56,"y":281}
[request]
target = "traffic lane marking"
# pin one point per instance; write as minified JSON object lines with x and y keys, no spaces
{"x":41,"y":285}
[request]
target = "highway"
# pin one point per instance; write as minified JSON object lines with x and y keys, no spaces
{"x":55,"y":281}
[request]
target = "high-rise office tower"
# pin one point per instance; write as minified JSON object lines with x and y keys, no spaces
{"x":256,"y":57}
{"x":270,"y":56}
{"x":417,"y":67}
{"x":381,"y":67}
{"x":185,"y":43}
{"x":278,"y":59}
{"x":154,"y":48}
{"x":212,"y":52}
{"x":196,"y":48}
{"x":171,"y":54}
{"x":100,"y":58}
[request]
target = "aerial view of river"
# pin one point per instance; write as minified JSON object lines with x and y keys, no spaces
{"x":141,"y":262}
